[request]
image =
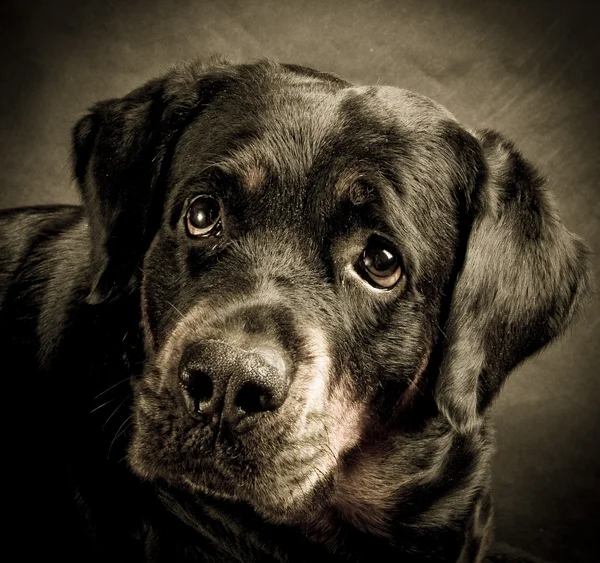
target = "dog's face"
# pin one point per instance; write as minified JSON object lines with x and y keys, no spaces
{"x":313,"y":258}
{"x":288,"y":291}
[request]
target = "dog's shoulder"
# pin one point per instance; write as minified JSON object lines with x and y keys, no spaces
{"x":27,"y":236}
{"x":44,"y":252}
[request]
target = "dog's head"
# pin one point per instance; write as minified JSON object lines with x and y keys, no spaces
{"x":315,"y":259}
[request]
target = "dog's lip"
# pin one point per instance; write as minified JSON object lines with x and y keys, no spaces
{"x":212,"y":463}
{"x":217,"y":492}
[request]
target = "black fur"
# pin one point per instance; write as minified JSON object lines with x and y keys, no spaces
{"x":101,"y":304}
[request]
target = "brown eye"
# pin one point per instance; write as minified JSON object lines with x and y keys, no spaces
{"x":203,"y":216}
{"x":380,"y":265}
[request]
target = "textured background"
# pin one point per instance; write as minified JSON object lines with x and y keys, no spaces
{"x":528,"y":69}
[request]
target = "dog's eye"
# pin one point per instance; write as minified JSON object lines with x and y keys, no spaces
{"x":203,"y":216}
{"x":380,"y":265}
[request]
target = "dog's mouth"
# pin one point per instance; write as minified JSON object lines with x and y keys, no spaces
{"x":271,"y":465}
{"x":277,"y":449}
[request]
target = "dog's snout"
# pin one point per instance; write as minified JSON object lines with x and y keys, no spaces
{"x":217,"y":378}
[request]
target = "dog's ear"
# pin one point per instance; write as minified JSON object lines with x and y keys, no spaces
{"x":121,"y":152}
{"x":523,"y":278}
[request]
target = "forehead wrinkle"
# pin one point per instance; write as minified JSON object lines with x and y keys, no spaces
{"x":299,"y":125}
{"x":413,"y":111}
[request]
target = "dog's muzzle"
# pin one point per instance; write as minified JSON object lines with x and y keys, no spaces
{"x":224,"y":384}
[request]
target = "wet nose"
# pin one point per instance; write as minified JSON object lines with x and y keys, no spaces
{"x":217,"y":378}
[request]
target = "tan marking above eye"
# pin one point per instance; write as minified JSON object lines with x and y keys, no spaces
{"x":246,"y":167}
{"x":254,"y":177}
{"x":354,"y":186}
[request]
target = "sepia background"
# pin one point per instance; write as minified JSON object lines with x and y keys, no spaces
{"x":527,"y":69}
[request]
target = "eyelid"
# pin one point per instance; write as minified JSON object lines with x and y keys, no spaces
{"x":216,"y":228}
{"x":371,"y":278}
{"x":184,"y":200}
{"x":351,"y":252}
{"x":399,"y":249}
{"x":189,"y":200}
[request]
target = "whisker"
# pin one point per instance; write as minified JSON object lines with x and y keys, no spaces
{"x":317,"y":470}
{"x":112,"y":387}
{"x":180,"y":313}
{"x":328,"y":449}
{"x":120,"y":431}
{"x":115,"y":411}
{"x":103,"y":405}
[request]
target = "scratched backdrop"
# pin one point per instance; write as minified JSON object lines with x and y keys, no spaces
{"x":527,"y":69}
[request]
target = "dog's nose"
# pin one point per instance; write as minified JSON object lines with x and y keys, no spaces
{"x":217,"y":377}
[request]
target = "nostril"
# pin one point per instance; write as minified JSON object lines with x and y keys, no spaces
{"x":197,"y":386}
{"x":200,"y":386}
{"x":253,"y":398}
{"x":216,"y":378}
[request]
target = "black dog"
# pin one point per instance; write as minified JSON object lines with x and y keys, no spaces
{"x":274,"y":331}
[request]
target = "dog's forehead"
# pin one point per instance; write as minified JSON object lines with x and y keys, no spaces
{"x":288,"y":124}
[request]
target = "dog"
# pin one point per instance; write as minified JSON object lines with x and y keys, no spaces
{"x":274,"y":329}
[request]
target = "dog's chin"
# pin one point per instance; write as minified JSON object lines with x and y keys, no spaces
{"x":290,"y":499}
{"x":273,"y":505}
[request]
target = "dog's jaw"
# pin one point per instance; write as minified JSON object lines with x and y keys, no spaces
{"x":290,"y":459}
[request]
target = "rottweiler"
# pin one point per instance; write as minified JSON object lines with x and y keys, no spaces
{"x":274,"y":329}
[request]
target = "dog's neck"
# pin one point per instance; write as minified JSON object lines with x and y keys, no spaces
{"x":437,"y":507}
{"x":396,"y":504}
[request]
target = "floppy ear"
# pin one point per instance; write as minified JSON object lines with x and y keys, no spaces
{"x":121,"y":151}
{"x":523,"y":279}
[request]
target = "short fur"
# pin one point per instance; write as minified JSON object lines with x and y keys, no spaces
{"x":383,"y":444}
